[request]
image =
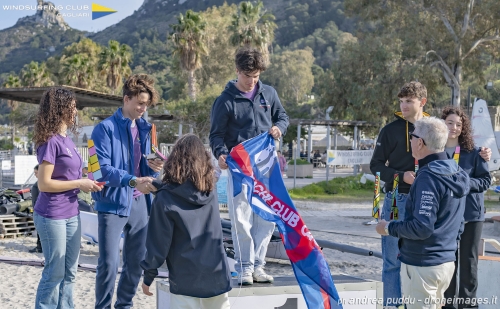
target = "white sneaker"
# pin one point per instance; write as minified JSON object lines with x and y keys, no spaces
{"x":245,"y":278}
{"x":260,"y":276}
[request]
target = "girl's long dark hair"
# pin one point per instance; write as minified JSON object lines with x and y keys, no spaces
{"x":465,"y":138}
{"x":56,"y":108}
{"x":189,"y":160}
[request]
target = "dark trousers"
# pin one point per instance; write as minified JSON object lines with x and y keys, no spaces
{"x":134,"y":230}
{"x":467,"y":257}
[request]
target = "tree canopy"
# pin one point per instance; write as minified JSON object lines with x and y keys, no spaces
{"x":449,"y":35}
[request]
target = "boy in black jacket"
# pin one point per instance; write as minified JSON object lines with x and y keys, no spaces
{"x":184,"y":229}
{"x":393,"y":147}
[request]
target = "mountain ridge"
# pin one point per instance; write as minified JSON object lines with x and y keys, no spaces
{"x":34,"y":38}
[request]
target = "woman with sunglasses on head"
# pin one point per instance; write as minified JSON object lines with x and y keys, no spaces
{"x":460,"y":147}
{"x":56,"y":212}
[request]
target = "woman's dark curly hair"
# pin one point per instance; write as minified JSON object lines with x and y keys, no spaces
{"x":56,"y":108}
{"x":189,"y":160}
{"x":465,"y":139}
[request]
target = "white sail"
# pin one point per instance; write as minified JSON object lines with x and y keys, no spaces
{"x":483,"y":132}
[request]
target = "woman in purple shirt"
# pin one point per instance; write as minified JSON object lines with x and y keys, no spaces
{"x":56,"y":214}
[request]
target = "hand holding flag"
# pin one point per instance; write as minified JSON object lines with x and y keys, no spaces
{"x":253,"y":163}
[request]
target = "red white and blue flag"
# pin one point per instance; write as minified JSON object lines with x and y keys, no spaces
{"x":254,"y":163}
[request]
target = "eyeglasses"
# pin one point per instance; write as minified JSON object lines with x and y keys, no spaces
{"x":415,"y":135}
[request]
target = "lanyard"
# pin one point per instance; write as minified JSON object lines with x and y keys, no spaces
{"x":456,"y":155}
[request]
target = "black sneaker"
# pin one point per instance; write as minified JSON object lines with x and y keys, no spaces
{"x":36,"y":250}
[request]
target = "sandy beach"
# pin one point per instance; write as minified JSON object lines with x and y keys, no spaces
{"x":341,"y":223}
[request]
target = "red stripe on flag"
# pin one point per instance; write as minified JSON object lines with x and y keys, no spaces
{"x":240,"y":155}
{"x":326,"y":299}
{"x":293,"y":219}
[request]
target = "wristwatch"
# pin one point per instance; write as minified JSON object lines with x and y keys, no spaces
{"x":386,"y":228}
{"x":132,"y":182}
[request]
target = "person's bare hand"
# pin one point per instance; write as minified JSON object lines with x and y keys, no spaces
{"x":89,"y":185}
{"x":222,"y":162}
{"x":380,"y":227}
{"x":409,"y":177}
{"x":145,"y":185}
{"x":275,"y":132}
{"x":156,"y":165}
{"x":485,"y":153}
{"x":145,"y":290}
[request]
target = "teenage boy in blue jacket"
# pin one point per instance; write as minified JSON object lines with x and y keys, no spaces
{"x":434,"y":217}
{"x":121,"y":141}
{"x":245,"y":109}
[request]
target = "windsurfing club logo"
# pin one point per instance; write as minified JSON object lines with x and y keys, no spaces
{"x":99,"y":11}
{"x":265,"y":160}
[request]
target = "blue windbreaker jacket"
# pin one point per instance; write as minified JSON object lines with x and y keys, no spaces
{"x":434,"y":217}
{"x":115,"y":151}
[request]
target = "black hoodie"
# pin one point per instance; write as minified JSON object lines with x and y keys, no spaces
{"x":236,"y":119}
{"x":393,"y":146}
{"x":185,"y":230}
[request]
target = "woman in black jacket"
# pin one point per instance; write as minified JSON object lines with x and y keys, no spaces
{"x":185,"y":230}
{"x":460,"y":147}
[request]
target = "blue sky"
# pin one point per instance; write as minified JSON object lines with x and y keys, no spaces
{"x":74,"y":10}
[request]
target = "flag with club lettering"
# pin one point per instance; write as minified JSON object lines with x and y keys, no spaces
{"x":254,"y":163}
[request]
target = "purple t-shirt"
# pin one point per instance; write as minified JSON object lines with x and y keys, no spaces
{"x":62,"y":153}
{"x":251,"y":94}
{"x":137,"y":156}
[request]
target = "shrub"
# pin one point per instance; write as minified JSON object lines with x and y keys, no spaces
{"x":299,"y":162}
{"x":334,"y":186}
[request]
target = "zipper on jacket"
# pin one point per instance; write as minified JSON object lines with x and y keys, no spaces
{"x":131,"y":160}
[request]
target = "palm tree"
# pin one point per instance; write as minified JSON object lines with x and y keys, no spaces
{"x":114,"y":64}
{"x":35,"y":75}
{"x":253,"y":27}
{"x":12,"y":81}
{"x":77,"y":70}
{"x":188,"y":38}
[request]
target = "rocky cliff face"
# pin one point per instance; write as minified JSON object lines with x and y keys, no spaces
{"x":47,"y":15}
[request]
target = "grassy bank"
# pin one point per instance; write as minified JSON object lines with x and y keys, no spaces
{"x":350,"y":190}
{"x":341,"y":189}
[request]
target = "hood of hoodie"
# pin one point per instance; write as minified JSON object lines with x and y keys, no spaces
{"x":399,"y":117}
{"x":451,"y":175}
{"x":189,"y":193}
{"x":234,"y":92}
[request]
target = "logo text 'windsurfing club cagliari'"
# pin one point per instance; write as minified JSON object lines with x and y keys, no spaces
{"x":65,"y":11}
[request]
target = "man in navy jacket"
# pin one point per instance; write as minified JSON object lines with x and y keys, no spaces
{"x":121,"y":141}
{"x":245,"y":109}
{"x":434,"y":217}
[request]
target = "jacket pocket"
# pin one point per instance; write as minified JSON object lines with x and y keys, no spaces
{"x":473,"y":207}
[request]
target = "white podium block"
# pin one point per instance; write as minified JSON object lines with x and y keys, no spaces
{"x":488,"y":277}
{"x":285,"y":293}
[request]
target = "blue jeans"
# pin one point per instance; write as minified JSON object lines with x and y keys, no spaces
{"x":391,"y":265}
{"x":251,"y":234}
{"x":110,"y":230}
{"x":61,"y":247}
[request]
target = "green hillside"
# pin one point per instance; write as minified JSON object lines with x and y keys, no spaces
{"x":300,"y":23}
